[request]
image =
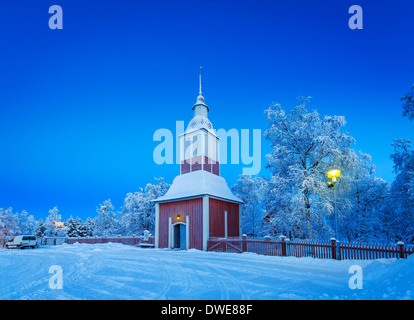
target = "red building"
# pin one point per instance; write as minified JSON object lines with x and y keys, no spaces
{"x":199,"y":203}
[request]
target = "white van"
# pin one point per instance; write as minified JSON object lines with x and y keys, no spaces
{"x":21,"y":242}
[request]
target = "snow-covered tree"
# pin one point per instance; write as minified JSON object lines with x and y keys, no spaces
{"x":106,"y":223}
{"x":251,"y":190}
{"x":40,"y":229}
{"x":12,"y":224}
{"x":72,"y":227}
{"x":29,"y":226}
{"x":152,"y":191}
{"x":77,"y":228}
{"x":304,"y":147}
{"x":283,"y":207}
{"x":131,"y":215}
{"x":88,"y":227}
{"x":9,"y":223}
{"x":138,"y":212}
{"x":53,"y":224}
{"x":21,"y":221}
{"x":362,"y":198}
{"x":402,"y":191}
{"x":408,"y":104}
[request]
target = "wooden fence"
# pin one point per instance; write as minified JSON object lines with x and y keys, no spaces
{"x":133,"y":241}
{"x":315,"y":249}
{"x":51,"y":241}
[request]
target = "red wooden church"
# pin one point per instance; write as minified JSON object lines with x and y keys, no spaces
{"x":199,"y":203}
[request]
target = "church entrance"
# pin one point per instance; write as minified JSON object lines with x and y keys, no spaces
{"x":180,"y":236}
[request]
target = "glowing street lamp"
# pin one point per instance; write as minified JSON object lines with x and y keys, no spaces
{"x":334,"y":174}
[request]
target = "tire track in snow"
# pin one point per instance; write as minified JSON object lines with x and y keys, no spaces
{"x":167,"y":281}
{"x":31,"y":276}
{"x":180,"y":276}
{"x":230,"y":285}
{"x":224,"y":292}
{"x":178,"y":269}
{"x":28,"y":276}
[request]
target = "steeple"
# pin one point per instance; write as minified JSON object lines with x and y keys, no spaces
{"x":200,"y":108}
{"x":199,"y":92}
{"x":199,"y":144}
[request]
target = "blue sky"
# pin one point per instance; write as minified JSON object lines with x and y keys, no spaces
{"x":79,"y":106}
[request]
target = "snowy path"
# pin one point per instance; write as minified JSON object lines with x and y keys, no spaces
{"x":115,"y":271}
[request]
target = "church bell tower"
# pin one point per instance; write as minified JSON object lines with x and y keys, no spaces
{"x":199,"y":144}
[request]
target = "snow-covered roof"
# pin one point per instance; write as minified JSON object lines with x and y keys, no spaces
{"x":197,"y":184}
{"x":199,"y":122}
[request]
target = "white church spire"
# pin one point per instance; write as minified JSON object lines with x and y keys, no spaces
{"x":200,"y":92}
{"x":200,"y":108}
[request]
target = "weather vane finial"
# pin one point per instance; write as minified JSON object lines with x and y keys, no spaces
{"x":200,"y":93}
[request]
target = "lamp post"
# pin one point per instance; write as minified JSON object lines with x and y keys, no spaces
{"x":334,"y":174}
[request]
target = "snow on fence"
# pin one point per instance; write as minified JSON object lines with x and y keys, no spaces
{"x":374,"y":251}
{"x":305,"y":248}
{"x":315,"y":249}
{"x":133,"y":241}
{"x":52,"y":241}
{"x":224,"y":245}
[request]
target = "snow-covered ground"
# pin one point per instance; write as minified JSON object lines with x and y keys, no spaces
{"x":116,"y":271}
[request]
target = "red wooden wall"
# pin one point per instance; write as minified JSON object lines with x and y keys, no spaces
{"x":192,"y":208}
{"x":216,"y":213}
